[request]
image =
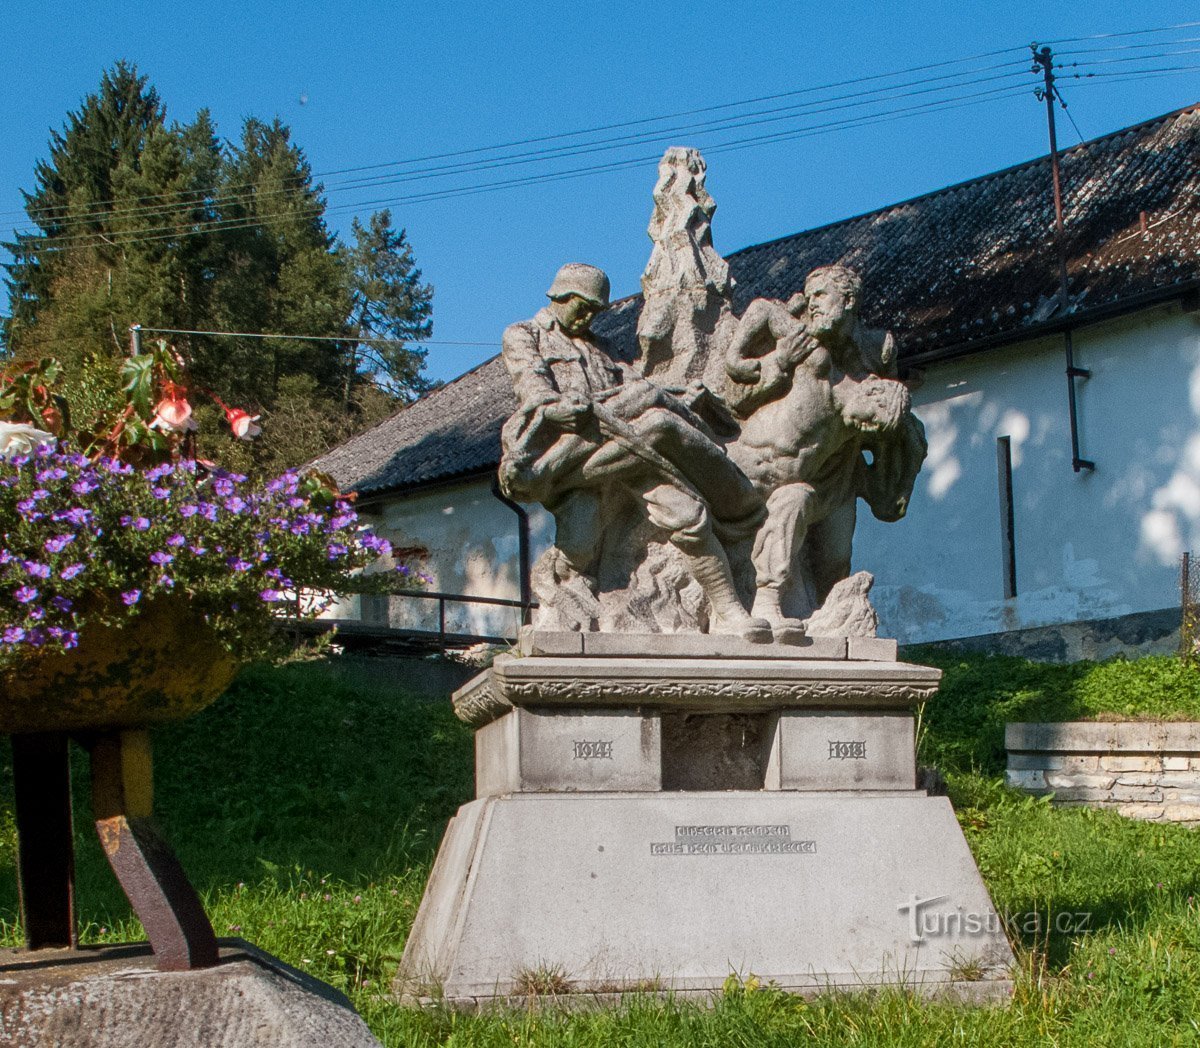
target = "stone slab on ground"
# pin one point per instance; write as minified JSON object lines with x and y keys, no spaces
{"x":113,"y":997}
{"x":1103,"y":736}
{"x":676,"y":891}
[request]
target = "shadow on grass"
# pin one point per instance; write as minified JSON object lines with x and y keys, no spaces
{"x":305,"y":768}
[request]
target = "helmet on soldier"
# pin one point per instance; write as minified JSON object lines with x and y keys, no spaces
{"x":577,"y":278}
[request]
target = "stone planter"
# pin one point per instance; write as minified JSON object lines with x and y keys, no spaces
{"x":1144,"y":770}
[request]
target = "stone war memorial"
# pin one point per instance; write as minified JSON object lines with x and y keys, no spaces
{"x":701,"y":761}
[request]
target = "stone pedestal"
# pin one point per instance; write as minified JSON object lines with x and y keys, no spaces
{"x":114,"y":997}
{"x":657,"y":818}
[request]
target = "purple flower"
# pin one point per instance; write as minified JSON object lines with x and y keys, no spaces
{"x":198,"y":551}
{"x":161,"y":558}
{"x":165,"y":581}
{"x":343,"y":520}
{"x":38,"y":494}
{"x":159,"y":471}
{"x":47,"y":475}
{"x":71,"y":570}
{"x":208,"y":511}
{"x":24,"y":594}
{"x":189,"y":510}
{"x":238,"y":564}
{"x":37,"y":569}
{"x":13,"y":635}
{"x":336,"y":550}
{"x":235,"y":504}
{"x":223,"y":486}
{"x":296,"y":503}
{"x":84,"y":486}
{"x":58,"y":543}
{"x":5,"y":556}
{"x":61,"y":603}
{"x":26,"y":506}
{"x":271,"y":596}
{"x":75,"y":515}
{"x":161,"y":493}
{"x":36,"y":614}
{"x":176,"y":540}
{"x":131,"y":597}
{"x":141,"y":524}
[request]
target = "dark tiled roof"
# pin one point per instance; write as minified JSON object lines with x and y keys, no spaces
{"x":965,"y":267}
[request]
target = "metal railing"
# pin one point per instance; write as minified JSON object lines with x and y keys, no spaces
{"x":441,"y":633}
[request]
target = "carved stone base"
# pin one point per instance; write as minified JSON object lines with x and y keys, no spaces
{"x":607,"y":892}
{"x":661,"y":822}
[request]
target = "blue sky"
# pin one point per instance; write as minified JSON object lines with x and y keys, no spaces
{"x":371,"y":83}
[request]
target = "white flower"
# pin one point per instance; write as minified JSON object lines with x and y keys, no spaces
{"x":16,"y":438}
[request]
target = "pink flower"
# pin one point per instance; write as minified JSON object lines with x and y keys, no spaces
{"x":242,"y":424}
{"x":174,"y":415}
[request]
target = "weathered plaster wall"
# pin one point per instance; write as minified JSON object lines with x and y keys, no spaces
{"x":1088,"y":545}
{"x":470,"y":540}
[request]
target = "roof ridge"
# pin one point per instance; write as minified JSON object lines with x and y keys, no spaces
{"x":977,"y":180}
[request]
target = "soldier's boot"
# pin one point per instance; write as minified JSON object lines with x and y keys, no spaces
{"x":728,"y":614}
{"x":766,"y":606}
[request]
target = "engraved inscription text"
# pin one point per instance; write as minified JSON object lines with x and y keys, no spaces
{"x":733,"y":840}
{"x":855,"y":750}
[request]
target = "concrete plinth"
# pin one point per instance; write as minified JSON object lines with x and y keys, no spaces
{"x":676,"y":891}
{"x":666,"y":820}
{"x":114,"y":997}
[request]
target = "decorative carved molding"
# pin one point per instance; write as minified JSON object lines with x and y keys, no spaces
{"x":481,"y":705}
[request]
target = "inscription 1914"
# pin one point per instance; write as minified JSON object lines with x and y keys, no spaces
{"x":848,"y":750}
{"x":733,"y":840}
{"x":593,"y":749}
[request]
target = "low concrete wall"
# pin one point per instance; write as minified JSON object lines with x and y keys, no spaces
{"x":1144,"y":770}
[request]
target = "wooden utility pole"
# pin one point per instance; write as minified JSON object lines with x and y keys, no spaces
{"x":1043,"y":62}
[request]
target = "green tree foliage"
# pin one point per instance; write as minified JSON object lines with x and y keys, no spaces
{"x":388,"y":301}
{"x":141,"y":221}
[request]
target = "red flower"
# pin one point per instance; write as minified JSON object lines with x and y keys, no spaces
{"x":242,"y":424}
{"x":174,"y":414}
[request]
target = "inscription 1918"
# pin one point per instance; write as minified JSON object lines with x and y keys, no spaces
{"x":593,"y":749}
{"x":734,"y":840}
{"x":848,"y":750}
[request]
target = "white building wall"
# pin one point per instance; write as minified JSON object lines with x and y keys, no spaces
{"x":1088,"y":545}
{"x":472,"y":548}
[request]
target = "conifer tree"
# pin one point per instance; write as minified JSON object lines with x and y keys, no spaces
{"x":138,"y":221}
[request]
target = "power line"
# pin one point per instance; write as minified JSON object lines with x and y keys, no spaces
{"x":1127,"y":32}
{"x":622,"y":124}
{"x":239,"y":222}
{"x":874,"y":96}
{"x":318,"y":338}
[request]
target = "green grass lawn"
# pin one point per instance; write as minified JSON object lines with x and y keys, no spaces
{"x":307,"y":806}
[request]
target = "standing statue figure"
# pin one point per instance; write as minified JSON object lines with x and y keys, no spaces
{"x":808,"y":383}
{"x":588,"y":429}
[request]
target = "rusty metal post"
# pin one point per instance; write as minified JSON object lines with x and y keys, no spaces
{"x":45,"y":846}
{"x":161,"y":895}
{"x":1187,"y":609}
